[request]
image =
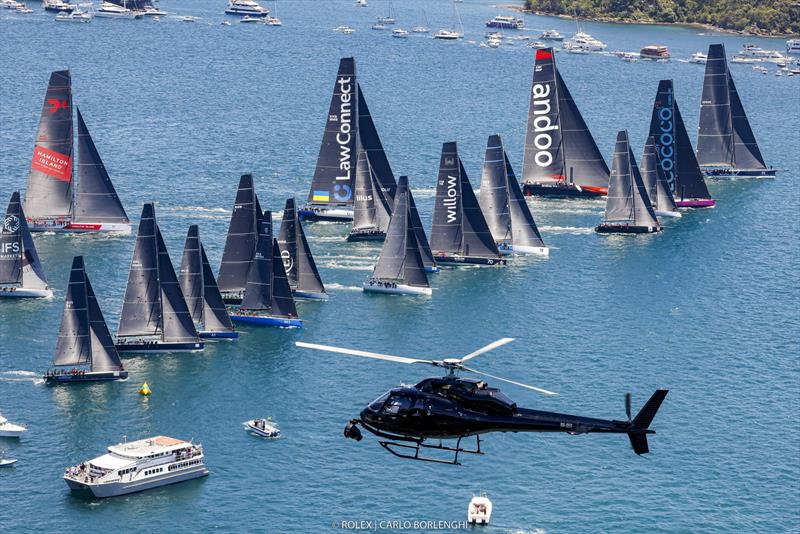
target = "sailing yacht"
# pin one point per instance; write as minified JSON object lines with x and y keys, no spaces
{"x":332,"y":189}
{"x":301,"y":270}
{"x":452,"y":34}
{"x":400,"y":269}
{"x":422,"y":240}
{"x":726,"y":145}
{"x":655,"y":182}
{"x":561,"y":157}
{"x":675,"y":151}
{"x":628,"y":208}
{"x":21,"y":272}
{"x":201,"y":292}
{"x":54,"y":201}
{"x":240,"y":243}
{"x":460,"y":234}
{"x":268,"y":297}
{"x":371,"y":211}
{"x":155,"y":317}
{"x":84,"y":340}
{"x":503,"y":204}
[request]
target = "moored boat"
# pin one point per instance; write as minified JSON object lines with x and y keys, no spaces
{"x":21,"y":271}
{"x":561,"y":157}
{"x":675,"y":152}
{"x":84,"y":343}
{"x":460,"y":235}
{"x":134,"y":466}
{"x":200,"y":290}
{"x":551,"y":35}
{"x":154,"y":317}
{"x":301,"y":269}
{"x":655,"y":52}
{"x":507,"y":214}
{"x":506,"y":22}
{"x":628,"y":208}
{"x":11,"y":430}
{"x":246,"y":8}
{"x":726,"y":145}
{"x":400,"y":269}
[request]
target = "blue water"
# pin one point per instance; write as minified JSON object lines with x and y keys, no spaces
{"x":708,"y":308}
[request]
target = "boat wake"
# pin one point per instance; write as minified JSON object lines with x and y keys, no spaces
{"x":575,"y":230}
{"x":349,"y":265}
{"x":340,"y":287}
{"x":20,"y":376}
{"x":326,"y":238}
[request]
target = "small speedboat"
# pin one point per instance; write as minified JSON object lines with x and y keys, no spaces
{"x":262,"y":427}
{"x":479,"y":511}
{"x":399,"y":33}
{"x":7,"y":462}
{"x":10,"y":430}
{"x":248,"y":18}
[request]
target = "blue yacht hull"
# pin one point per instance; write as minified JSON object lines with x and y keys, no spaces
{"x":264,"y":320}
{"x":87,"y":376}
{"x":158,"y":346}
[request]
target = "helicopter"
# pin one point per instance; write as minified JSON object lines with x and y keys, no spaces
{"x":409,"y":419}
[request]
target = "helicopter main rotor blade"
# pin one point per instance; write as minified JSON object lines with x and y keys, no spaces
{"x":540,"y":390}
{"x":363,"y":353}
{"x":487,"y":348}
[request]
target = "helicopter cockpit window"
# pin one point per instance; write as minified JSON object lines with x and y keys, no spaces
{"x":398,"y":405}
{"x":377,"y":404}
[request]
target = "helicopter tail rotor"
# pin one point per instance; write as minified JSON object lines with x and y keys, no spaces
{"x":640,"y":426}
{"x":628,"y":405}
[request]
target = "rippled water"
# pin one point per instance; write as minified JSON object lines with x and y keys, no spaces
{"x":708,"y":308}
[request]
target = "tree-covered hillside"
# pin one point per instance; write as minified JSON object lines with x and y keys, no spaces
{"x":757,"y":16}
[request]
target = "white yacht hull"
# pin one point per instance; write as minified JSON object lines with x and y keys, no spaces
{"x":23,"y":292}
{"x":114,"y":489}
{"x":507,"y":249}
{"x":65,"y":226}
{"x":12,"y":431}
{"x":396,"y":289}
{"x":674,"y":214}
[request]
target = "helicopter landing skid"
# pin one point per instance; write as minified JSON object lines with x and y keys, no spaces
{"x":418,"y":445}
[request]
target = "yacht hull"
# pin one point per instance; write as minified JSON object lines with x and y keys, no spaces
{"x":89,"y":376}
{"x":23,"y":293}
{"x":507,"y":249}
{"x":625,"y":229}
{"x":731,"y":173}
{"x":468,"y":261}
{"x":218,"y":335}
{"x":309,"y":295}
{"x":114,"y":489}
{"x":696,"y":203}
{"x":265,"y":320}
{"x":322,"y":213}
{"x":561,"y":190}
{"x":66,"y":226}
{"x":371,"y":286}
{"x":158,"y":346}
{"x":433,"y":269}
{"x":366,"y":236}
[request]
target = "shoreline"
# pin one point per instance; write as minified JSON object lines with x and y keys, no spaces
{"x":610,"y":20}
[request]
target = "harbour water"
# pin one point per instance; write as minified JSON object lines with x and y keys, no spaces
{"x":708,"y":308}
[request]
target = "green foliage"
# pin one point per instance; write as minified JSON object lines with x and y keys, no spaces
{"x":759,"y":16}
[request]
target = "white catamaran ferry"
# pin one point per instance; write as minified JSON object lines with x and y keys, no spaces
{"x":138,"y":466}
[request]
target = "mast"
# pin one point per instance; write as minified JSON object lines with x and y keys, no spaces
{"x":674,"y":148}
{"x":400,"y":257}
{"x":191,"y":275}
{"x":241,"y":240}
{"x":494,"y":190}
{"x":141,"y":307}
{"x":558,"y":144}
{"x":96,"y":199}
{"x":334,"y":174}
{"x":215,"y":315}
{"x":49,"y":190}
{"x":524,"y":231}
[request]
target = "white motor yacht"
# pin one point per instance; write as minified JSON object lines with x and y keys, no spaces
{"x":793,"y":46}
{"x":447,"y":35}
{"x":246,"y":7}
{"x":400,"y":33}
{"x":699,"y":58}
{"x":551,"y":35}
{"x":262,"y":427}
{"x":57,"y":5}
{"x":74,"y":16}
{"x":9,"y":429}
{"x":584,"y":41}
{"x":137,"y":466}
{"x":109,"y":10}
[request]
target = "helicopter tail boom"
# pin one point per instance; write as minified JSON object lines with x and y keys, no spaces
{"x":641,"y":423}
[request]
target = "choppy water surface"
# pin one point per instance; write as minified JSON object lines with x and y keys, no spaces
{"x":708,"y":308}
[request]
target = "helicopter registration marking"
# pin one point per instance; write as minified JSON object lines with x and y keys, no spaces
{"x":566,"y":425}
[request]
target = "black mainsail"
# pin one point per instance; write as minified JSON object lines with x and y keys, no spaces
{"x":191,"y":274}
{"x":419,"y":232}
{"x":494,"y":191}
{"x":301,"y":269}
{"x":655,"y":181}
{"x":240,"y":243}
{"x":49,"y":191}
{"x":628,"y":208}
{"x":215,"y":315}
{"x":20,"y":266}
{"x":84,"y":338}
{"x":334,"y":175}
{"x":371,"y":143}
{"x":154,"y":304}
{"x":400,"y":261}
{"x":96,"y":199}
{"x":459,"y":228}
{"x":725,"y":138}
{"x":525,"y":235}
{"x":561,"y":157}
{"x":675,"y":150}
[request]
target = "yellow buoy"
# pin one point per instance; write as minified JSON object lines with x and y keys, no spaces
{"x":144,"y":390}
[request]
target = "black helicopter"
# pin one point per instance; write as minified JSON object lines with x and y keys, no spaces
{"x":450,"y":407}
